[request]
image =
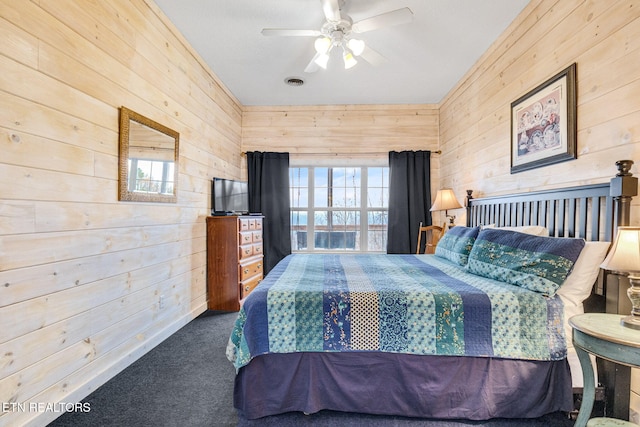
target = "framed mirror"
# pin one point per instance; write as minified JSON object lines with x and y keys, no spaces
{"x":148,"y":163}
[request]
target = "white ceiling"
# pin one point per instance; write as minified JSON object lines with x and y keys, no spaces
{"x":425,"y":58}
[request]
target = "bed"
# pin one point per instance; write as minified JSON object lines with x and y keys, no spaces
{"x":475,"y":331}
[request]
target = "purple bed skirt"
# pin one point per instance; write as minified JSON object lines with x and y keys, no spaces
{"x":444,"y":387}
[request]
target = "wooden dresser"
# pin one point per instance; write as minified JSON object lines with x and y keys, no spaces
{"x":234,"y":259}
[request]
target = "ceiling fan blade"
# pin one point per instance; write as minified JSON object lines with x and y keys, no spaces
{"x":395,"y":17}
{"x":372,"y":57}
{"x":312,"y":67}
{"x":290,"y":32}
{"x":331,"y":10}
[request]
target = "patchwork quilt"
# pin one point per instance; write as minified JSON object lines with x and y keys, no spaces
{"x":417,"y":304}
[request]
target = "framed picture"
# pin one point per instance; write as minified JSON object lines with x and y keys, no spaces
{"x":543,"y":123}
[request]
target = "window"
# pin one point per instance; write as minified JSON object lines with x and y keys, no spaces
{"x":339,"y":208}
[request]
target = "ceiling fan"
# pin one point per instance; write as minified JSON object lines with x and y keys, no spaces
{"x":337,"y":32}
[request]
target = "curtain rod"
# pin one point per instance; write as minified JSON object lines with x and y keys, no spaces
{"x":244,"y":153}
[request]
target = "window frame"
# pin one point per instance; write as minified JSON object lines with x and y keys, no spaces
{"x":363,"y":210}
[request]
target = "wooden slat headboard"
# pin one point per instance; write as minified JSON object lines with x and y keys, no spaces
{"x":585,"y":211}
{"x":592,"y":212}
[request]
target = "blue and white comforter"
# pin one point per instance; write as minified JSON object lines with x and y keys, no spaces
{"x":418,"y":304}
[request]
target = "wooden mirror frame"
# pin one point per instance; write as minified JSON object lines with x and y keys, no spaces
{"x":124,"y":193}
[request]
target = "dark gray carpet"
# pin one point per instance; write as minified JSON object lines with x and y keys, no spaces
{"x":186,"y":381}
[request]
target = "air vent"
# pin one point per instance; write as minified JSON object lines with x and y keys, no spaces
{"x":294,"y":81}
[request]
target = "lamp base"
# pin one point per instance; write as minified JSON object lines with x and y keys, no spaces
{"x":452,"y":219}
{"x":631,"y":321}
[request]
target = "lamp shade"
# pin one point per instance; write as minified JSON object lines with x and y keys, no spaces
{"x":356,"y":46}
{"x":322,"y":44}
{"x":322,"y":59}
{"x":625,"y":252}
{"x":445,"y":199}
{"x":349,"y":60}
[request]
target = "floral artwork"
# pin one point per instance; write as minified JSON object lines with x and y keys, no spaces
{"x":543,"y":124}
{"x":538,"y":126}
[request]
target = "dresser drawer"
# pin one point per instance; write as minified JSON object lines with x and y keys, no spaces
{"x":257,"y":236}
{"x":250,"y":224}
{"x":251,"y":269}
{"x":247,"y":251}
{"x":257,"y":249}
{"x":246,"y":237}
{"x":249,"y":285}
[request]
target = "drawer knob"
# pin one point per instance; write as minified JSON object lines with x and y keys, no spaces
{"x":259,"y":266}
{"x":246,"y":271}
{"x":247,"y":288}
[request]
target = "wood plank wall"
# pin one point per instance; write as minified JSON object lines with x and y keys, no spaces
{"x":603,"y":38}
{"x":81,"y":273}
{"x":340,"y":129}
{"x":343,"y":131}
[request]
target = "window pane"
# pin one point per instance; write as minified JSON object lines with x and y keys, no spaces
{"x":299,"y":187}
{"x":347,"y":220}
{"x":377,"y":231}
{"x":376,"y":197}
{"x":339,"y":198}
{"x":321,"y":219}
{"x":299,"y":197}
{"x":299,"y":177}
{"x":346,"y":187}
{"x":340,"y":233}
{"x":321,"y":197}
{"x":321,"y":230}
{"x":298,"y":230}
{"x":378,"y":177}
{"x":321,"y":177}
{"x":352,"y":196}
{"x":377,"y":240}
{"x":338,"y":220}
{"x":377,"y":219}
{"x":378,"y":191}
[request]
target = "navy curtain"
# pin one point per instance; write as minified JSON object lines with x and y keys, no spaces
{"x":268,"y":175}
{"x":409,"y":199}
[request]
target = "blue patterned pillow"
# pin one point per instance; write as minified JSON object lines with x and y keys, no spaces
{"x":540,"y":264}
{"x":456,"y":244}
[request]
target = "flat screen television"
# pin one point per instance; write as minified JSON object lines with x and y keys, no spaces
{"x":229,"y":196}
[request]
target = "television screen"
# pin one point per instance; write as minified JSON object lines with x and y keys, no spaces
{"x":229,"y":196}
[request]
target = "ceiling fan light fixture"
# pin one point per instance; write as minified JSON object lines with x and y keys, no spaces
{"x":322,"y":60}
{"x":349,"y":60}
{"x":322,"y":45}
{"x":356,"y":46}
{"x":336,"y":32}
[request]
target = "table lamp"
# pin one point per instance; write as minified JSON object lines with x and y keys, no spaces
{"x":445,"y":200}
{"x":624,"y":258}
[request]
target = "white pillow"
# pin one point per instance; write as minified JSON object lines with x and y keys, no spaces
{"x":536,"y":230}
{"x":570,"y":310}
{"x":578,"y":285}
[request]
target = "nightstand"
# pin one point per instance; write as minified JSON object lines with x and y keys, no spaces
{"x":602,"y":335}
